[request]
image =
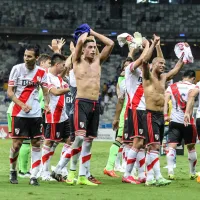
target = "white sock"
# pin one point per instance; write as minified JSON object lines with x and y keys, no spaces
{"x":192,"y":157}
{"x":13,"y":158}
{"x":132,"y":154}
{"x":123,"y":157}
{"x":85,"y":156}
{"x":155,"y":162}
{"x":141,"y":163}
{"x":35,"y":161}
{"x":52,"y":151}
{"x":170,"y":160}
{"x":75,"y":153}
{"x":126,"y":150}
{"x":65,"y":158}
{"x":149,"y":168}
{"x":46,"y":151}
{"x":88,"y":174}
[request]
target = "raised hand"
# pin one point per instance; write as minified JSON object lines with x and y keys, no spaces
{"x":71,"y":47}
{"x":61,"y":43}
{"x":156,"y":39}
{"x":145,"y":42}
{"x":56,"y":45}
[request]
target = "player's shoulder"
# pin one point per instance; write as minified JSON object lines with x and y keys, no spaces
{"x":40,"y":68}
{"x":198,"y":84}
{"x":18,"y":66}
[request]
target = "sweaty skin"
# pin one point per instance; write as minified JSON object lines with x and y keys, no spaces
{"x":88,"y":79}
{"x":154,"y":93}
{"x":86,"y":62}
{"x":154,"y":80}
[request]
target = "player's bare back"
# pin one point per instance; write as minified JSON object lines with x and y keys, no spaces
{"x":88,"y":78}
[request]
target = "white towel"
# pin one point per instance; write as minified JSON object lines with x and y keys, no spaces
{"x":126,"y":38}
{"x":180,"y":48}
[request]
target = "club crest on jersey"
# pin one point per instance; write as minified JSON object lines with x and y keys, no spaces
{"x":156,"y":136}
{"x":17,"y":131}
{"x":125,"y":135}
{"x":140,"y":131}
{"x":82,"y":124}
{"x":57,"y":134}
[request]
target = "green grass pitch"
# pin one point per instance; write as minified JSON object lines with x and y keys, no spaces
{"x":111,"y":189}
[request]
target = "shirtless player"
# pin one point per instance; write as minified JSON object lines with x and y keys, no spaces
{"x":87,"y":70}
{"x":154,"y":87}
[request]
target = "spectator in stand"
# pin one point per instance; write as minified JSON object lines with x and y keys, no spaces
{"x":112,"y":89}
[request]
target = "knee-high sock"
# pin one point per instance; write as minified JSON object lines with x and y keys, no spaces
{"x":51,"y":153}
{"x":35,"y":161}
{"x":75,"y":153}
{"x":112,"y":155}
{"x":119,"y":156}
{"x":46,"y":153}
{"x":155,"y":163}
{"x":13,"y":158}
{"x":170,"y":160}
{"x":141,"y":163}
{"x":192,"y":157}
{"x":131,"y":158}
{"x":149,"y":168}
{"x":85,"y":156}
{"x":125,"y":154}
{"x":24,"y":154}
{"x":65,"y":158}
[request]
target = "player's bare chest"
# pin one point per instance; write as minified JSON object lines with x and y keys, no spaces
{"x":158,"y":85}
{"x":88,"y":72}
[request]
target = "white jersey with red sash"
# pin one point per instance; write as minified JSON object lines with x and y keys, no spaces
{"x":179,"y":92}
{"x":57,"y":104}
{"x":26,"y":83}
{"x":133,"y":80}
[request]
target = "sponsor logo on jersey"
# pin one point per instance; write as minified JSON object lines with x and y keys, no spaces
{"x":82,"y":124}
{"x":29,"y":83}
{"x":68,"y":100}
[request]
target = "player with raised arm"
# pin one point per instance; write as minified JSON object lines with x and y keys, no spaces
{"x":87,"y":69}
{"x":177,"y":131}
{"x":135,"y":109}
{"x":154,"y":81}
{"x":23,"y":88}
{"x":118,"y":122}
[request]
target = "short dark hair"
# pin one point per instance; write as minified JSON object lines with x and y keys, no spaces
{"x":34,"y":48}
{"x":128,"y":59}
{"x":86,"y":41}
{"x":189,"y":73}
{"x":43,"y":58}
{"x":57,"y":58}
